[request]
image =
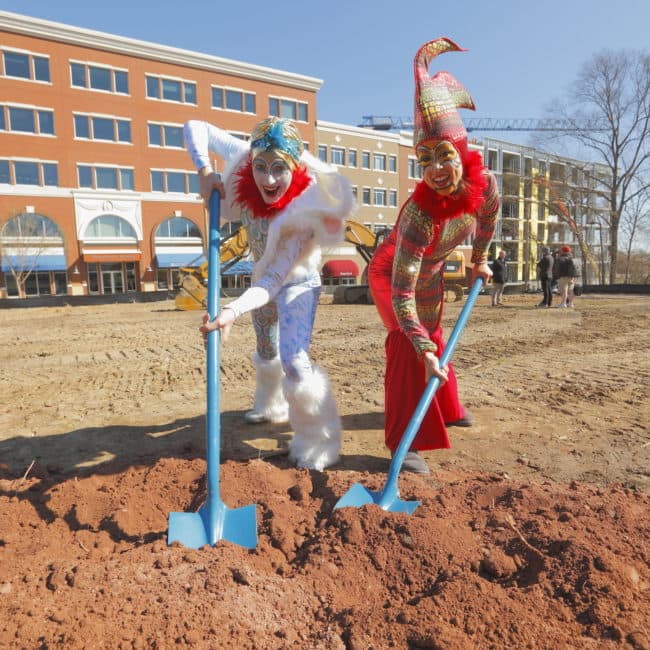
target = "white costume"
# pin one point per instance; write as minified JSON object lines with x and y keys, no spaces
{"x":287,"y":272}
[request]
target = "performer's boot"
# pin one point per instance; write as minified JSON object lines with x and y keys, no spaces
{"x":315,"y":421}
{"x":269,"y":404}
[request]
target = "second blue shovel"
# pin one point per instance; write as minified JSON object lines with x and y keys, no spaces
{"x":388,"y":498}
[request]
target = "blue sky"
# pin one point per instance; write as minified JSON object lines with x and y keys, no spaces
{"x":521,"y":53}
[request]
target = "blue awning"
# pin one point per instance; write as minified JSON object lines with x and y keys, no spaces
{"x":242,"y":267}
{"x":176,"y":260}
{"x":34,"y":263}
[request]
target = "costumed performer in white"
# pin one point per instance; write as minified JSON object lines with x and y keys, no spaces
{"x":242,"y":202}
{"x":319,"y":200}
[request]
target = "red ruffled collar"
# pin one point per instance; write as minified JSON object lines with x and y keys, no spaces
{"x":466,"y":201}
{"x":248,"y":194}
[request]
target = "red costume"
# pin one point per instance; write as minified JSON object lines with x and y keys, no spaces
{"x":405,"y":273}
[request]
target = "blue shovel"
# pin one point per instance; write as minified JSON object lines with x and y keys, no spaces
{"x":388,"y":498}
{"x":214,"y":520}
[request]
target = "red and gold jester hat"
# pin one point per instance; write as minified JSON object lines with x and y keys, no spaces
{"x":436,"y":117}
{"x":438,"y":97}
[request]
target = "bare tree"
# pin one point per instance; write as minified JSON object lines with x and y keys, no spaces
{"x":23,"y":239}
{"x":611,"y":96}
{"x":635,"y":221}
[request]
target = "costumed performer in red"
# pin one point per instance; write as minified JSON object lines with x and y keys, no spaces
{"x":456,"y":198}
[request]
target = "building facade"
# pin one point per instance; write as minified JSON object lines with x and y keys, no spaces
{"x":98,"y":194}
{"x":547,"y":201}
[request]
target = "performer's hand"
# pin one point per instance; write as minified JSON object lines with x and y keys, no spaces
{"x":481,"y":270}
{"x":432,"y":368}
{"x":208,"y":182}
{"x":223,"y":322}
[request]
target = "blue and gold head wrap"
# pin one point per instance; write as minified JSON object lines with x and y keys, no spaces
{"x":279,"y":135}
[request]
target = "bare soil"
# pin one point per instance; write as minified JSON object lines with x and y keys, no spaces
{"x":532,"y":530}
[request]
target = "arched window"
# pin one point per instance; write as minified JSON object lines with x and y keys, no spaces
{"x":177,"y":227}
{"x":110,"y":226}
{"x":30,"y":226}
{"x":33,"y":257}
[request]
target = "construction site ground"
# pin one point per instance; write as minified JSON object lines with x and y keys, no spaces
{"x":532,"y":530}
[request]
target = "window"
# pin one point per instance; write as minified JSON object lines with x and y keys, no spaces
{"x":414,"y":169}
{"x":165,"y":135}
{"x":109,"y":226}
{"x":392,"y":198}
{"x":233,"y":99}
{"x":29,"y":172}
{"x":170,"y":90}
{"x":25,"y":65}
{"x":322,"y":153}
{"x":338,"y":156}
{"x":98,"y":77}
{"x":352,"y":158}
{"x":105,"y":177}
{"x":26,"y":173}
{"x":366,"y":196}
{"x":174,"y":181}
{"x":379,"y":196}
{"x":365,"y":160}
{"x":27,"y":120}
{"x":178,"y":227}
{"x":392,"y":164}
{"x":493,"y":159}
{"x":108,"y":129}
{"x":289,"y":108}
{"x":379,"y":162}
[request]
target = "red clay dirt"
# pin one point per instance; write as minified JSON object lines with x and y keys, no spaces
{"x":530,"y":533}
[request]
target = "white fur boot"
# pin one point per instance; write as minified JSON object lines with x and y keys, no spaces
{"x":269,"y":404}
{"x":315,"y":421}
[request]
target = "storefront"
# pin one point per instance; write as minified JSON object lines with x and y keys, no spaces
{"x":337,"y":272}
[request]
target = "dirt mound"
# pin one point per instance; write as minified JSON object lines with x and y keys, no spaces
{"x":532,"y":530}
{"x":483,"y":562}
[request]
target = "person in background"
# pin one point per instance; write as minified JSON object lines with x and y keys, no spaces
{"x":566,"y":274}
{"x":545,"y":274}
{"x":499,"y":278}
{"x":456,"y":198}
{"x":301,"y":204}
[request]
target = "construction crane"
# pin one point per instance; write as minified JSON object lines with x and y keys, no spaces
{"x":390,"y":123}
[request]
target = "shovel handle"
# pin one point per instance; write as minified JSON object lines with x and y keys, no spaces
{"x":430,"y":390}
{"x":212,"y":373}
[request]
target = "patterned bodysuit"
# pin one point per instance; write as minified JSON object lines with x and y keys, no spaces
{"x":406,"y":280}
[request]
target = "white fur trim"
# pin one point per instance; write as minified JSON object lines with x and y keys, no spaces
{"x":315,"y":421}
{"x":269,"y":401}
{"x":329,"y":195}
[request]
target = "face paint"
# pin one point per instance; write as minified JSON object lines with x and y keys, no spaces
{"x":442,"y":168}
{"x":272,"y":175}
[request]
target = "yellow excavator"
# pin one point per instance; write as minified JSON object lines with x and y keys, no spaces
{"x":192,"y":290}
{"x":366,"y":241}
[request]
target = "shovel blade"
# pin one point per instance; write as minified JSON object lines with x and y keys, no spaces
{"x":194,"y":529}
{"x":358,"y":496}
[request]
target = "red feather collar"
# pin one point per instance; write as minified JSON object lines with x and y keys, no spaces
{"x":248,"y":194}
{"x":466,"y":201}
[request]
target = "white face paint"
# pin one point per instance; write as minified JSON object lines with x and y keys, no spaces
{"x":442,"y":168}
{"x":272,"y":175}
